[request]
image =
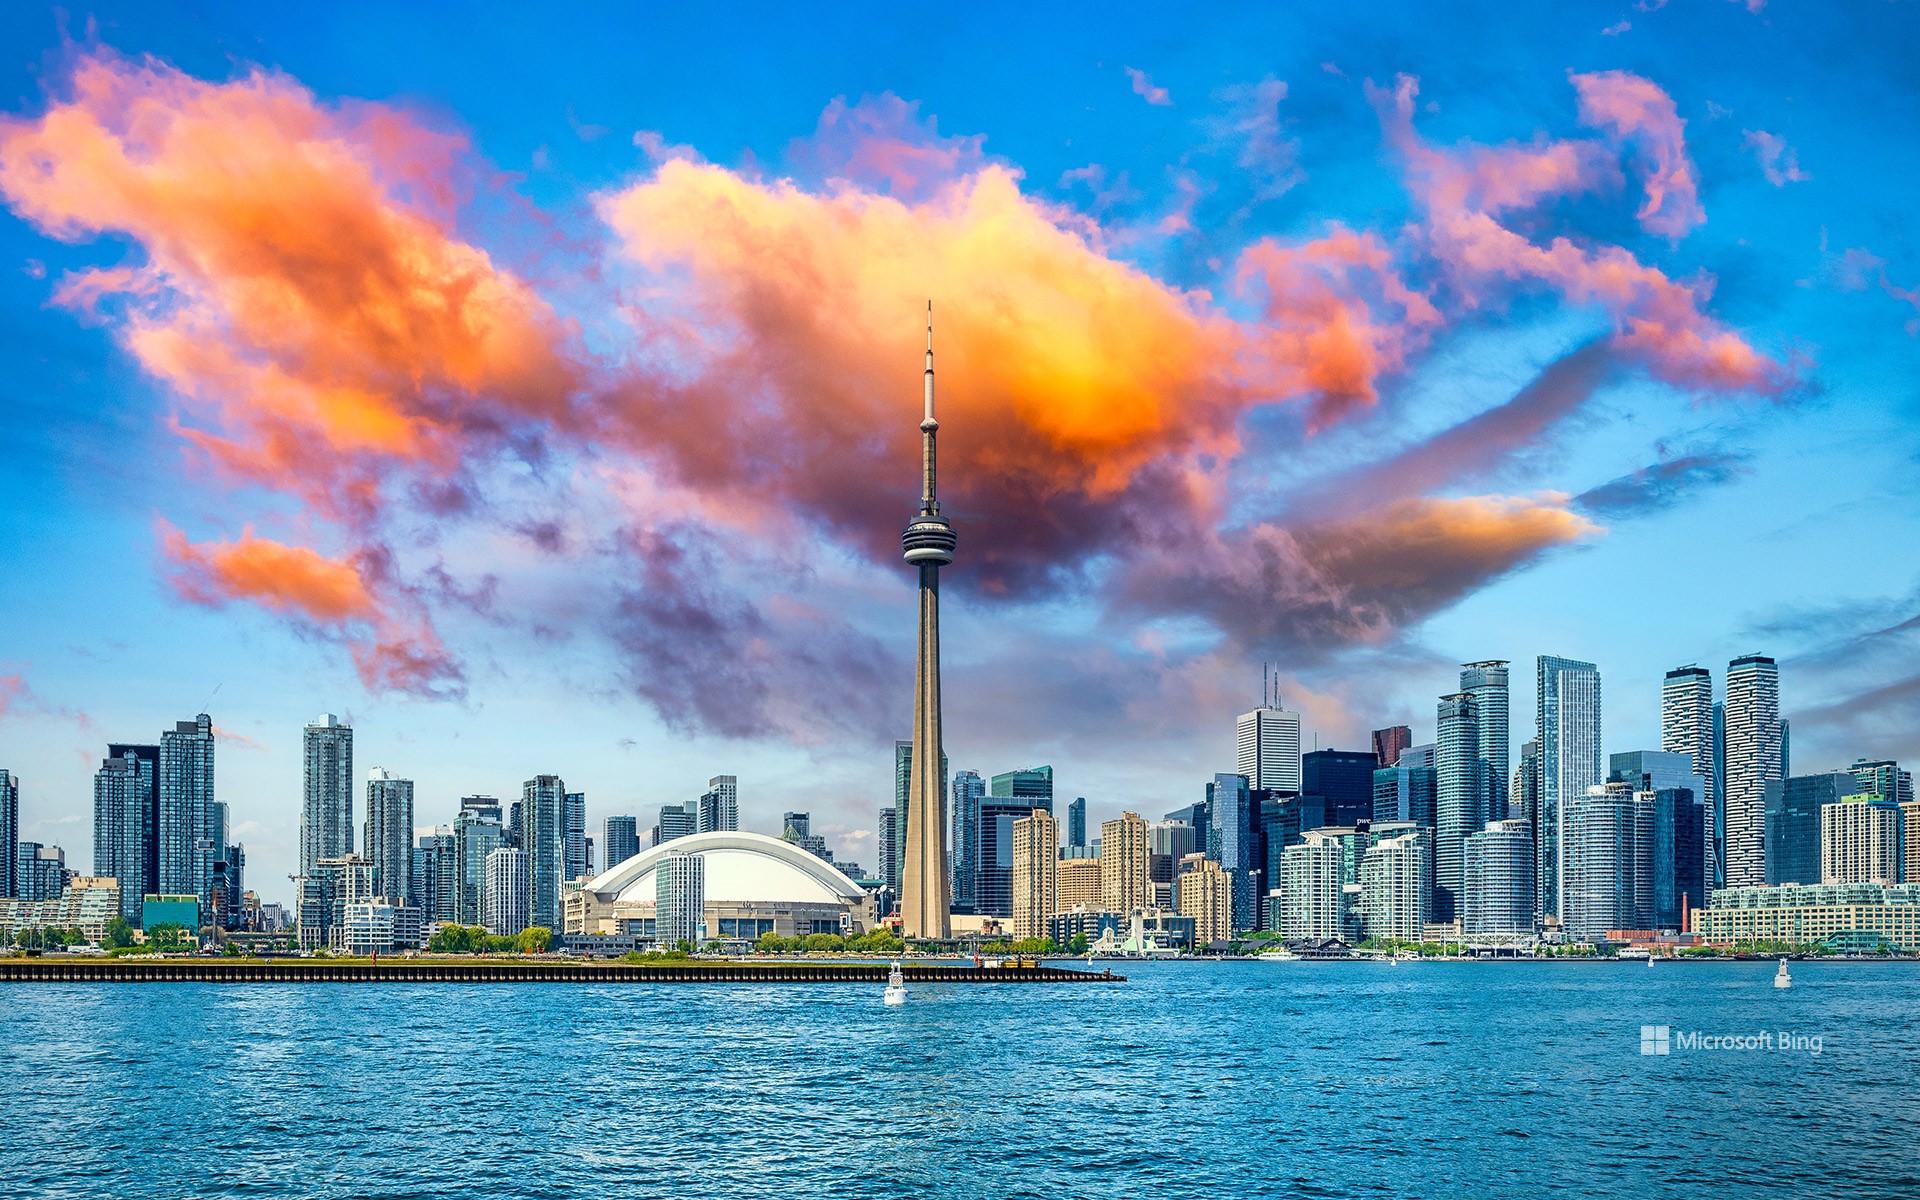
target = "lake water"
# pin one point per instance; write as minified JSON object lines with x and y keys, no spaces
{"x":1193,"y":1079}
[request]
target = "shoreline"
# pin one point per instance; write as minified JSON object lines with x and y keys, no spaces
{"x":94,"y":969}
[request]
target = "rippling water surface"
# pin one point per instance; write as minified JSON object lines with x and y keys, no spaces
{"x":1194,"y":1079}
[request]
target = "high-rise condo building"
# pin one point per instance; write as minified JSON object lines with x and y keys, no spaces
{"x":122,"y":813}
{"x":1206,"y":895}
{"x":1499,"y":883}
{"x":1077,"y":884}
{"x":680,"y":898}
{"x":578,"y":857}
{"x":1123,"y":864}
{"x":1523,"y":791}
{"x":433,"y":874}
{"x":544,"y":837}
{"x":185,"y":830}
{"x":1405,"y":793}
{"x":677,"y":821}
{"x":1396,"y":883}
{"x":1460,"y":808}
{"x":1388,"y":744}
{"x":1567,"y":720}
{"x":620,"y":836}
{"x":477,"y":832}
{"x":1077,"y":822}
{"x":1230,"y":842}
{"x":1792,"y":807}
{"x":1315,"y":900}
{"x":1268,"y":744}
{"x":40,"y":872}
{"x":389,"y":834}
{"x":969,"y":790}
{"x":1680,"y":853}
{"x":1035,"y":882}
{"x":1486,"y":682}
{"x":1753,"y":758}
{"x":326,"y":805}
{"x":9,"y":834}
{"x":1686,"y":727}
{"x":1860,"y":840}
{"x":1884,"y":778}
{"x":506,"y":892}
{"x":719,"y":805}
{"x":1609,"y":861}
{"x":147,"y":766}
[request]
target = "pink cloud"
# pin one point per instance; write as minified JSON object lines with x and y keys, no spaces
{"x":1636,"y":112}
{"x":1144,"y":88}
{"x":1778,"y":161}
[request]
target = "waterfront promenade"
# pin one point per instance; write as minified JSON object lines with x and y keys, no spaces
{"x":86,"y":969}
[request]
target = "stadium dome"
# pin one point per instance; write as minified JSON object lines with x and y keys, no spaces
{"x":740,"y":868}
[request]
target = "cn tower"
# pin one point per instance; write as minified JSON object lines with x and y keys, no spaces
{"x":926,"y":897}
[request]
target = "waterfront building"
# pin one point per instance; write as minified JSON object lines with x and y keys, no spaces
{"x":579,"y":852}
{"x":1609,"y":861}
{"x":1388,"y":744}
{"x":1230,"y":842}
{"x":389,"y":832}
{"x":969,"y":791}
{"x":432,"y":873}
{"x":1460,"y":798}
{"x":619,"y":839}
{"x":751,"y":884}
{"x":1753,"y":758}
{"x":1143,"y":931}
{"x":477,"y":833}
{"x":88,"y":903}
{"x":1206,"y":896}
{"x":1486,"y":682}
{"x":1807,"y":913}
{"x":1077,"y":884}
{"x":888,"y":869}
{"x":1009,"y":797}
{"x":1320,"y":887}
{"x":324,"y":893}
{"x":543,"y":837}
{"x":680,"y":897}
{"x":1405,"y":793}
{"x":1343,"y":780}
{"x":1123,"y":864}
{"x":1567,"y":721}
{"x":185,"y":829}
{"x":1860,"y":840}
{"x":507,"y":891}
{"x":1910,"y":841}
{"x":1396,"y":884}
{"x":1267,"y":742}
{"x":718,"y":809}
{"x":1792,"y":808}
{"x":326,"y":804}
{"x":1499,"y":883}
{"x":1679,"y":856}
{"x":1036,"y":857}
{"x":122,"y":814}
{"x":9,"y":833}
{"x":1687,"y":727}
{"x":381,"y":925}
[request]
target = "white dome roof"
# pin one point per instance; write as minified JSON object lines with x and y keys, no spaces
{"x":740,"y":868}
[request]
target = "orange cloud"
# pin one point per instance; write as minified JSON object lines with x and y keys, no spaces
{"x":324,"y":326}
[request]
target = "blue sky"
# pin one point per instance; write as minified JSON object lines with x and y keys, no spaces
{"x":652,"y":547}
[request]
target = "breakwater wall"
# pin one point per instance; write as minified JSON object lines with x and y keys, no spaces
{"x":320,"y":970}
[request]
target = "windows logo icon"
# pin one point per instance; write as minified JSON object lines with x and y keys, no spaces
{"x":1654,"y":1039}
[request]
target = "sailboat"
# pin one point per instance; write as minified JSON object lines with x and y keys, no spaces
{"x":1780,"y":978}
{"x":896,"y":992}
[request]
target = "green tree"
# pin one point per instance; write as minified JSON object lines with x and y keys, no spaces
{"x":684,"y":946}
{"x":537,"y":939}
{"x":821,"y":942}
{"x":119,"y":934}
{"x":1079,"y":943}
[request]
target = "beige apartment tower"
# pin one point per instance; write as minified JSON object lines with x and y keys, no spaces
{"x":1036,"y":854}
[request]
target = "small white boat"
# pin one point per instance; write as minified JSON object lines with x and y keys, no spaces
{"x":1780,"y":978}
{"x":1649,"y":960}
{"x":896,"y":992}
{"x":1277,"y":956}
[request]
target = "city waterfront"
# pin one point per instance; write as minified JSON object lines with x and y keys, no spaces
{"x":1191,"y":1079}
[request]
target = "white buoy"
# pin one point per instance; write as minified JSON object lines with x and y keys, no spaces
{"x":1780,"y":978}
{"x":896,"y":992}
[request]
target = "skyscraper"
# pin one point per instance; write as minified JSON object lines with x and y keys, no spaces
{"x":1523,"y":794}
{"x":122,"y":813}
{"x":888,"y":838}
{"x":1077,"y":822}
{"x":928,"y":543}
{"x":719,"y":806}
{"x":1343,"y":780}
{"x":1753,"y":758}
{"x":1486,"y":682}
{"x":575,"y":815}
{"x":968,"y":791}
{"x":1885,"y":778}
{"x":621,"y":840}
{"x":506,"y":891}
{"x":677,"y":821}
{"x":1405,"y":793}
{"x":1230,"y":842}
{"x":1035,"y":883}
{"x":1268,"y":744}
{"x":1686,"y":727}
{"x":544,"y":838}
{"x":1388,"y":743}
{"x":147,"y":766}
{"x":1793,"y":822}
{"x":389,"y":834}
{"x":1608,"y":861}
{"x":1123,"y":864}
{"x":1860,"y":840}
{"x":185,"y":831}
{"x":1460,"y":802}
{"x":1396,"y":884}
{"x":326,"y":806}
{"x":9,"y":834}
{"x":680,"y":897}
{"x":1567,"y":716}
{"x":477,"y":832}
{"x":1498,"y":882}
{"x":1032,"y":784}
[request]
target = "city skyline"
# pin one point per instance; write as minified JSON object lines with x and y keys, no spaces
{"x":1100,"y":662}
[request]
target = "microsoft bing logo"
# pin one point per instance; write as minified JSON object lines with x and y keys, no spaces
{"x":1654,"y":1039}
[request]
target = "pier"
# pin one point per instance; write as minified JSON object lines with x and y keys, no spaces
{"x":402,"y":970}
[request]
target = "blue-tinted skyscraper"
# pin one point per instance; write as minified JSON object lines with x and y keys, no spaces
{"x":969,"y":790}
{"x":1793,"y":822}
{"x":185,"y":833}
{"x":9,"y":834}
{"x":1077,"y":822}
{"x":1230,"y":841}
{"x":576,"y":835}
{"x":543,"y":827}
{"x":389,"y":832}
{"x":1460,"y":809}
{"x":1343,"y":779}
{"x":1486,"y":682}
{"x":621,"y":836}
{"x":1568,"y":716}
{"x":326,"y":805}
{"x":1407,"y":793}
{"x":122,"y":817}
